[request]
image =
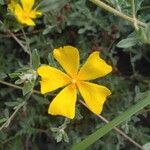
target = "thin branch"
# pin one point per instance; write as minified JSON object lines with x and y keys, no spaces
{"x":21,"y":34}
{"x":101,"y":117}
{"x":134,"y":15}
{"x":19,"y":42}
{"x":16,"y":86}
{"x":117,"y":13}
{"x":6,"y":124}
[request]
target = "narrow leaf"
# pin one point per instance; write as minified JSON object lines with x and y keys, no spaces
{"x":28,"y":86}
{"x":35,"y":59}
{"x":128,"y":42}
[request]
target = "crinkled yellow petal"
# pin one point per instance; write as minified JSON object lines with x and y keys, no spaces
{"x":18,"y":10}
{"x":27,"y":4}
{"x":11,"y":6}
{"x":20,"y":15}
{"x":94,"y":67}
{"x":64,"y":103}
{"x":94,"y":95}
{"x":68,"y":58}
{"x":52,"y":78}
{"x":33,"y":14}
{"x":28,"y":22}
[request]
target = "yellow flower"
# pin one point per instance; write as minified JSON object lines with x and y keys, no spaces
{"x":12,"y":5}
{"x":24,"y":12}
{"x":75,"y":79}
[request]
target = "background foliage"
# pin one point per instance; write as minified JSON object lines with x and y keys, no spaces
{"x":84,"y":25}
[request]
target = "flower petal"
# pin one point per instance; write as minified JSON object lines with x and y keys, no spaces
{"x":94,"y":95}
{"x":19,"y":13}
{"x":11,"y":5}
{"x":28,"y":22}
{"x":34,"y":14}
{"x":64,"y":103}
{"x":27,"y":4}
{"x":68,"y":58}
{"x":94,"y":67}
{"x":18,"y":10}
{"x":52,"y":78}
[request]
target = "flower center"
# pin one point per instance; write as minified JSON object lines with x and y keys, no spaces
{"x":25,"y":15}
{"x":74,"y":81}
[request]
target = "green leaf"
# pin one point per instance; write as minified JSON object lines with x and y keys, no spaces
{"x":19,"y":81}
{"x":51,"y":5}
{"x":40,"y":99}
{"x":3,"y":75}
{"x":14,"y":75}
{"x":1,"y":2}
{"x":144,"y":34}
{"x":146,"y":146}
{"x":2,"y":120}
{"x":11,"y":104}
{"x":65,"y":137}
{"x":59,"y":137}
{"x":128,"y":42}
{"x":48,"y":29}
{"x":115,"y":122}
{"x":51,"y":60}
{"x":55,"y":129}
{"x":28,"y":86}
{"x":35,"y":59}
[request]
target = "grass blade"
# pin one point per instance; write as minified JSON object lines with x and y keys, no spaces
{"x":108,"y":127}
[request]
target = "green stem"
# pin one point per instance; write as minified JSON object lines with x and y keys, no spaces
{"x":117,"y":13}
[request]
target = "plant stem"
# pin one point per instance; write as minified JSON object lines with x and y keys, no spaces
{"x":16,"y":86}
{"x":25,"y":48}
{"x":19,"y":42}
{"x":134,"y":15}
{"x":6,"y":124}
{"x":117,"y":13}
{"x":4,"y":35}
{"x":145,"y":7}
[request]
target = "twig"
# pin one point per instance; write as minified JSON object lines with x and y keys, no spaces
{"x":16,"y":86}
{"x":6,"y":124}
{"x":117,"y":13}
{"x":19,"y":42}
{"x":134,"y":15}
{"x":101,"y":117}
{"x":20,"y":34}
